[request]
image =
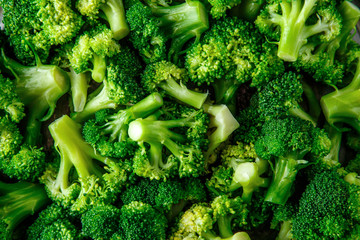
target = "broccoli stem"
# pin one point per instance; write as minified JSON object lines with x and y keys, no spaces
{"x":182,"y":93}
{"x":115,"y":14}
{"x":300,"y":113}
{"x":285,"y":231}
{"x":343,"y":105}
{"x":247,"y":10}
{"x":225,"y":90}
{"x":224,"y":224}
{"x":98,"y":72}
{"x":285,"y":172}
{"x":79,"y":86}
{"x":210,"y":235}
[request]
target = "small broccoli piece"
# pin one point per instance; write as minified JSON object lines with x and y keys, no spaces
{"x":283,"y":216}
{"x":100,"y":222}
{"x":283,"y":97}
{"x":219,"y":7}
{"x":98,"y":179}
{"x":17,"y":202}
{"x":286,"y":142}
{"x":354,"y":164}
{"x":186,"y":148}
{"x":152,"y":25}
{"x":113,"y":11}
{"x":61,"y":229}
{"x":120,"y":87}
{"x":324,"y":209}
{"x":28,"y":164}
{"x":293,"y":23}
{"x":44,"y":24}
{"x":108,"y":132}
{"x":240,"y":168}
{"x":230,"y":53}
{"x":91,"y":50}
{"x":39,"y":88}
{"x":10,"y":102}
{"x":11,"y":139}
{"x":141,"y":221}
{"x":166,"y":76}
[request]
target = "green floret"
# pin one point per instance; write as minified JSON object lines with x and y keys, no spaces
{"x":324,"y":209}
{"x":91,"y":50}
{"x":28,"y":164}
{"x":98,"y":179}
{"x":283,"y":97}
{"x":61,"y":229}
{"x":166,"y":76}
{"x":240,"y":168}
{"x":100,"y":222}
{"x":219,"y":7}
{"x":283,"y":216}
{"x":286,"y":142}
{"x":354,"y":164}
{"x":113,"y":11}
{"x":230,"y":53}
{"x":108,"y":132}
{"x":320,"y":59}
{"x":11,"y":139}
{"x":17,"y":202}
{"x":39,"y":88}
{"x":140,"y":221}
{"x":341,"y":106}
{"x":153,"y":24}
{"x":10,"y":102}
{"x":293,"y":23}
{"x":44,"y":24}
{"x":186,"y":158}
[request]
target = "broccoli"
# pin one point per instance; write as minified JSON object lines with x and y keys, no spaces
{"x":199,"y":222}
{"x":324,"y":211}
{"x":61,"y":229}
{"x":79,"y":83}
{"x":240,"y":168}
{"x":152,"y":25}
{"x":91,"y":50}
{"x":186,"y":146}
{"x":247,"y":9}
{"x":320,"y":58}
{"x":293,"y":23}
{"x":11,"y":139}
{"x":39,"y":88}
{"x":44,"y":24}
{"x":108,"y":132}
{"x":141,"y":221}
{"x":219,"y":7}
{"x":283,"y":97}
{"x":17,"y":202}
{"x":354,"y":164}
{"x":286,"y":142}
{"x":166,"y":76}
{"x":100,"y":222}
{"x":113,"y":11}
{"x":97,"y":179}
{"x":283,"y":215}
{"x":230,"y":53}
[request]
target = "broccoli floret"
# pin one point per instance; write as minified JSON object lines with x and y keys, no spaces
{"x":283,"y":97}
{"x":11,"y":139}
{"x":240,"y":168}
{"x":39,"y":88}
{"x":44,"y":24}
{"x":61,"y":229}
{"x":286,"y":142}
{"x":100,"y":222}
{"x":17,"y":202}
{"x":230,"y":53}
{"x":324,"y":209}
{"x":293,"y":23}
{"x":354,"y":164}
{"x":283,"y":216}
{"x":152,"y":25}
{"x":166,"y":76}
{"x":219,"y":7}
{"x":113,"y":11}
{"x":97,"y":179}
{"x":141,"y":221}
{"x":91,"y":50}
{"x":108,"y":132}
{"x":10,"y":102}
{"x":248,"y":9}
{"x":184,"y":136}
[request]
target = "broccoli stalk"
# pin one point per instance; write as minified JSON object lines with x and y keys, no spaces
{"x":79,"y":86}
{"x":17,"y":202}
{"x":39,"y":88}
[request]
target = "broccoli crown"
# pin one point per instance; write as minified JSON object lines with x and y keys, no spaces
{"x":293,"y":23}
{"x":11,"y":138}
{"x":9,"y":100}
{"x":323,"y":209}
{"x":17,"y":202}
{"x":186,"y":158}
{"x":61,"y":229}
{"x":28,"y":164}
{"x":98,"y":179}
{"x":171,"y":79}
{"x":100,"y":222}
{"x":141,"y":221}
{"x":43,"y":24}
{"x":219,"y":7}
